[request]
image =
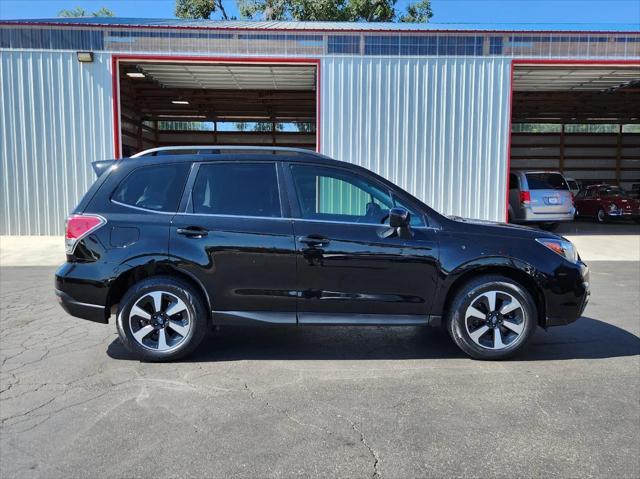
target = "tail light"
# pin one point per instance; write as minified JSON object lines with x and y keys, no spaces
{"x":525,"y":197}
{"x":572,"y":198}
{"x":79,"y":226}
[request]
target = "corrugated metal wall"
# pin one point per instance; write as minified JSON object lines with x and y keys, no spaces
{"x":437,"y":127}
{"x":55,"y":118}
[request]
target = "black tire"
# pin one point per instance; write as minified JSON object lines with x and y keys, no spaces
{"x":170,"y":287}
{"x":472,"y":291}
{"x":549,"y":226}
{"x":600,"y":216}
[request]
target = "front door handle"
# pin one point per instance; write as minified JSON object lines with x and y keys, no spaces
{"x":193,"y":232}
{"x":314,"y":241}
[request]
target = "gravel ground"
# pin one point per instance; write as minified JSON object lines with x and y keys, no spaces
{"x":319,"y":402}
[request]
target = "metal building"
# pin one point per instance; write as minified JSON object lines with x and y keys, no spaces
{"x":433,"y":108}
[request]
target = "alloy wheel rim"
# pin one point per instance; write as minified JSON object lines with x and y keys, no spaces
{"x":600,"y":215}
{"x":495,"y":320}
{"x":160,"y":321}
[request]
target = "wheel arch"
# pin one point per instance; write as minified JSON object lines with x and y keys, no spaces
{"x":127,"y":278}
{"x":525,"y":279}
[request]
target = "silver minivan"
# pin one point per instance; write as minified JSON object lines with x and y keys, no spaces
{"x":540,"y":197}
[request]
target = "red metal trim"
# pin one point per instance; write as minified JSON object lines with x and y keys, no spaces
{"x":115,"y":98}
{"x":308,"y":30}
{"x":557,"y":61}
{"x":115,"y":59}
{"x":540,"y":61}
{"x":318,"y":105}
{"x":506,"y":212}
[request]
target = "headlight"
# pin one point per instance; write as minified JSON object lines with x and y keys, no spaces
{"x":562,"y":247}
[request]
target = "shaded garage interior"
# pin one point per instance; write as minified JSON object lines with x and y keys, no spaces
{"x":203,"y":103}
{"x":582,"y":120}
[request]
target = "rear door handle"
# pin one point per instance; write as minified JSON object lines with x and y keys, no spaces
{"x":193,"y":232}
{"x":313,"y":241}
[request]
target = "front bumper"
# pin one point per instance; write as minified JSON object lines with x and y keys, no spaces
{"x":622,"y":214}
{"x":569,"y":307}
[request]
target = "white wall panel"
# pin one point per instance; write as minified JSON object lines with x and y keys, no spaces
{"x":55,"y":119}
{"x":437,"y":127}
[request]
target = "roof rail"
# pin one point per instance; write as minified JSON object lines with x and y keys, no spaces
{"x":212,"y":148}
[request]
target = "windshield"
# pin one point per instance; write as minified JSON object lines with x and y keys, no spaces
{"x":546,"y":181}
{"x":612,"y":191}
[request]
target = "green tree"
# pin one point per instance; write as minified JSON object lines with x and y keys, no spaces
{"x":81,"y":12}
{"x":199,"y":9}
{"x":335,"y":10}
{"x":310,"y":10}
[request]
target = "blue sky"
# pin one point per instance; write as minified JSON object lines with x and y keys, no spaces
{"x":588,"y":12}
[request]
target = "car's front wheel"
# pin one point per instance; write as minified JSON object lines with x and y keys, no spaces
{"x":491,"y":317}
{"x":601,"y":217}
{"x":161,"y":319}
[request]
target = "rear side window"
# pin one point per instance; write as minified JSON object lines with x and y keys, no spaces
{"x":513,"y":182}
{"x":238,"y":189}
{"x":546,"y":181}
{"x":156,"y":188}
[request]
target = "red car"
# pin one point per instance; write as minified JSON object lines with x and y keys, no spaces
{"x":606,"y":202}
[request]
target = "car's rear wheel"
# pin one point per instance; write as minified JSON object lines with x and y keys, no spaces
{"x":491,"y":317}
{"x":600,"y":216}
{"x":161,"y":319}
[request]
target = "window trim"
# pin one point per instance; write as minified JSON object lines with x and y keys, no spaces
{"x":186,"y":204}
{"x":394,"y":193}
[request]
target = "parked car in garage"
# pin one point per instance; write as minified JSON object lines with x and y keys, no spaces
{"x":574,"y":186}
{"x":178,"y":243}
{"x":606,"y":202}
{"x":539,"y":197}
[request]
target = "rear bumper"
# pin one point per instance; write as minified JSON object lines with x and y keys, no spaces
{"x":91,"y":312}
{"x":531,"y":217}
{"x":79,"y":294}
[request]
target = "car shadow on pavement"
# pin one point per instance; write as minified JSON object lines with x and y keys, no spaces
{"x":587,"y":338}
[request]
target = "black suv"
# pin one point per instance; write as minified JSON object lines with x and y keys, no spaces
{"x":176,"y":243}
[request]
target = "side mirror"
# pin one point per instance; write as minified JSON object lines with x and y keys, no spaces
{"x":399,"y":218}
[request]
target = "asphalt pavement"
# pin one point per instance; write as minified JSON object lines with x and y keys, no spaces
{"x":319,"y":402}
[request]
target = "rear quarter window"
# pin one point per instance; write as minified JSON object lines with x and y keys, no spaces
{"x":546,"y":181}
{"x":157,"y":187}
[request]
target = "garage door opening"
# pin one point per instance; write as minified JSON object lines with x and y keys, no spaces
{"x":178,"y":103}
{"x":580,"y":119}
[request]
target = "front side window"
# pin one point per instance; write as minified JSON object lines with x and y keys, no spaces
{"x":332,"y":194}
{"x":157,"y":188}
{"x":237,"y":189}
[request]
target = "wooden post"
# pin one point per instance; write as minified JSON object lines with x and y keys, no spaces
{"x":561,"y":163}
{"x":619,"y":154}
{"x":140,"y":142}
{"x":156,"y":135}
